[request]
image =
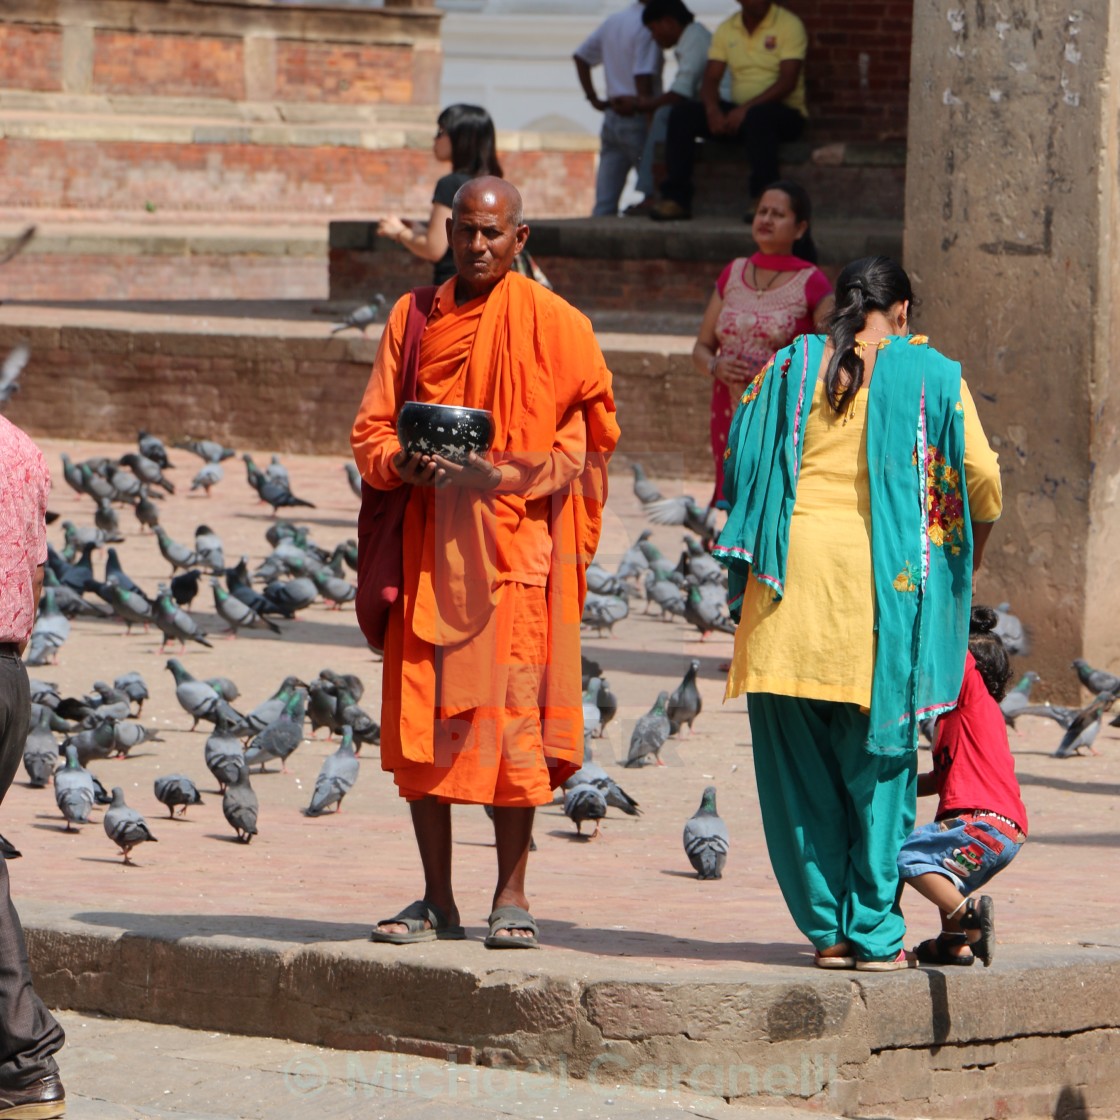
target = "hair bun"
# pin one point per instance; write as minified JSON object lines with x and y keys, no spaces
{"x":983,"y":620}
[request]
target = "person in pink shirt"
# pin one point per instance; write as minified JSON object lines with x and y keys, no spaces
{"x":29,"y":1035}
{"x":981,"y":822}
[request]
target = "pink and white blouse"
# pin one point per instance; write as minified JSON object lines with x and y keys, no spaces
{"x":25,"y":483}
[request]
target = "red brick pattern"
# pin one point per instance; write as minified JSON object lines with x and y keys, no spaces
{"x":30,"y":57}
{"x":344,"y":73}
{"x":131,"y":62}
{"x":226,"y":178}
{"x":849,"y":98}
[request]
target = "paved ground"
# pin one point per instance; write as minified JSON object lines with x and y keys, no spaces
{"x":118,"y":1069}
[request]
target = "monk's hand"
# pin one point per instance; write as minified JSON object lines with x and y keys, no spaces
{"x":476,"y":473}
{"x":415,"y":469}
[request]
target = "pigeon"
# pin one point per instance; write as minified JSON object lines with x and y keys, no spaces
{"x":278,"y":472}
{"x":147,"y":471}
{"x":589,"y":669}
{"x":1018,"y":698}
{"x":200,"y":700}
{"x":705,"y":838}
{"x":683,"y":510}
{"x":685,"y":703}
{"x":8,"y":850}
{"x":208,"y":450}
{"x":649,"y":734}
{"x":208,"y":549}
{"x":151,"y":447}
{"x":130,"y":605}
{"x":585,"y":802}
{"x":601,"y":612}
{"x":1096,"y":680}
{"x":362,"y":317}
{"x":334,"y":590}
{"x":603,"y":582}
{"x":280,"y":738}
{"x":93,"y":742}
{"x":225,"y":687}
{"x":240,"y":806}
{"x":76,"y":575}
{"x":184,"y":587}
{"x":224,"y":757}
{"x":634,"y":562}
{"x":147,"y":512}
{"x":705,"y":616}
{"x":291,"y":595}
{"x":278,"y":495}
{"x":336,"y":777}
{"x":664,"y":594}
{"x":72,"y":474}
{"x":608,"y":705}
{"x":74,"y":790}
{"x":175,"y":622}
{"x":133,"y":686}
{"x":49,"y":633}
{"x":70,"y":602}
{"x":354,"y":478}
{"x":207,"y":478}
{"x":128,"y":734}
{"x":347,"y":711}
{"x":126,"y":486}
{"x":10,"y":370}
{"x":176,"y":790}
{"x":592,"y":774}
{"x":107,"y":522}
{"x":270,"y":710}
{"x":40,"y":751}
{"x":1010,"y":630}
{"x":237,"y":614}
{"x":700,"y":564}
{"x":1083,"y":730}
{"x":124,"y":826}
{"x":644,"y":490}
{"x":177,"y":555}
{"x":592,"y":724}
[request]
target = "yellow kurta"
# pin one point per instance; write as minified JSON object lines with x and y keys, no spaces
{"x":818,"y":641}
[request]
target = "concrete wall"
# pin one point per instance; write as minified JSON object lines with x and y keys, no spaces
{"x":1011,"y":213}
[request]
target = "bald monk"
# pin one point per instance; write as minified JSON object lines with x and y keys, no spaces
{"x":481,"y":700}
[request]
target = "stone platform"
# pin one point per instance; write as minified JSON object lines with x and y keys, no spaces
{"x":647,"y":976}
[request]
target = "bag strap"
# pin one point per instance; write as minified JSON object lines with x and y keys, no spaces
{"x":419,"y":308}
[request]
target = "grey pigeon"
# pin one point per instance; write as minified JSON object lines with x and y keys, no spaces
{"x":207,"y":478}
{"x":592,"y":725}
{"x":93,"y":742}
{"x":201,"y":701}
{"x":583,"y":803}
{"x":152,"y":447}
{"x":126,"y":486}
{"x":354,"y":478}
{"x":236,"y":614}
{"x":208,"y":450}
{"x":654,"y":557}
{"x":705,"y":838}
{"x":591,"y":773}
{"x":348,"y":712}
{"x":336,"y":777}
{"x":644,"y":490}
{"x":49,"y":633}
{"x":278,"y":472}
{"x":683,"y":510}
{"x":279,"y":496}
{"x":334,"y":590}
{"x":685,"y":703}
{"x":147,"y":512}
{"x":176,"y":623}
{"x":362,"y":317}
{"x":1010,"y":630}
{"x":124,"y":826}
{"x":71,"y":603}
{"x":649,"y":734}
{"x":224,"y":756}
{"x":634,"y":563}
{"x":1083,"y":730}
{"x":705,"y":616}
{"x":74,"y":790}
{"x":177,"y":555}
{"x":1017,"y":699}
{"x":107,"y":522}
{"x":147,"y":471}
{"x":608,"y":704}
{"x":133,"y":686}
{"x":1096,"y":680}
{"x":72,"y":474}
{"x":603,"y":582}
{"x":208,"y":549}
{"x":128,"y":734}
{"x":270,"y":710}
{"x":130,"y":605}
{"x":664,"y":594}
{"x":40,"y":751}
{"x":700,"y":563}
{"x":240,"y":807}
{"x":280,"y":738}
{"x":10,"y":370}
{"x":601,"y":612}
{"x":176,"y":791}
{"x":291,"y":595}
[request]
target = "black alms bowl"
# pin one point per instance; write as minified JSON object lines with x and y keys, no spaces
{"x":443,"y":429}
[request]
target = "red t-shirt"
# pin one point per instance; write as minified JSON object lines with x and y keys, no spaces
{"x":972,"y":758}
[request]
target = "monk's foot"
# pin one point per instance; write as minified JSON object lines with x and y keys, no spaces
{"x":520,"y":900}
{"x":450,"y":913}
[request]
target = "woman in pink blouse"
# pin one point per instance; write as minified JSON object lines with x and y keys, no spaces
{"x":759,"y":305}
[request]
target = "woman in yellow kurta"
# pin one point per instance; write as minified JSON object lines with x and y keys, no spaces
{"x":849,"y":628}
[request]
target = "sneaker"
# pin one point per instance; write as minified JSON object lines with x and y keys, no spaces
{"x":669,"y":211}
{"x":903,"y":960}
{"x":44,"y":1099}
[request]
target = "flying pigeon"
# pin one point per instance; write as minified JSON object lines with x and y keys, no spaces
{"x":124,"y":826}
{"x":705,"y":838}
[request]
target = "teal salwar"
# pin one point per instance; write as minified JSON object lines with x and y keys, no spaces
{"x":835,"y":816}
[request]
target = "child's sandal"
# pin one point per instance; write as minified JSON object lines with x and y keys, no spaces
{"x":980,"y":913}
{"x":936,"y":950}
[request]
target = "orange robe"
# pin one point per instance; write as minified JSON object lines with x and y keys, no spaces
{"x":481,"y":695}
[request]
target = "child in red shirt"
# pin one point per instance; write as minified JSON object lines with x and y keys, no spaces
{"x":981,"y":822}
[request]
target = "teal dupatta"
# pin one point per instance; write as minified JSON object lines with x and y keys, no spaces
{"x":921,"y":538}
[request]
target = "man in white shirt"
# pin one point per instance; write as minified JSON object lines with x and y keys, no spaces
{"x":675,"y":28}
{"x":631,"y":62}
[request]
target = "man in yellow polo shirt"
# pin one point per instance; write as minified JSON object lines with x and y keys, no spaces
{"x":763,"y":47}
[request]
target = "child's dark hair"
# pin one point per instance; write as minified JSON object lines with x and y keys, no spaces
{"x":987,"y":648}
{"x":804,"y":247}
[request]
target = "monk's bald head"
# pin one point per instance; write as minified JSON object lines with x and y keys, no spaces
{"x":490,"y":193}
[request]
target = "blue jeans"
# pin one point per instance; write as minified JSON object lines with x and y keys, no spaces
{"x":658,"y":130}
{"x":622,"y":140}
{"x":967,"y":851}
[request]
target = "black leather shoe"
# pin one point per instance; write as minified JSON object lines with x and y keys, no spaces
{"x":41,"y":1100}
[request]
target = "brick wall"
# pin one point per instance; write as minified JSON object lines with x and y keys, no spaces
{"x":168,"y":65}
{"x":344,"y":73}
{"x":30,"y":57}
{"x":858,"y":70}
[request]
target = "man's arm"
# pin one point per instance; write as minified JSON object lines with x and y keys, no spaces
{"x":709,"y":94}
{"x":583,"y":71}
{"x":788,"y":72}
{"x":36,"y":595}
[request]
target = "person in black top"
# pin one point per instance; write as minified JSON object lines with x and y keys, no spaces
{"x":465,"y":139}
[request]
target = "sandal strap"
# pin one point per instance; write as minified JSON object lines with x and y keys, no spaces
{"x":416,"y":916}
{"x":512,"y":917}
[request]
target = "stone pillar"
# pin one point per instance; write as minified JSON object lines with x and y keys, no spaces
{"x":1011,"y":225}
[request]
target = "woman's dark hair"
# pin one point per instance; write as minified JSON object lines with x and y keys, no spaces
{"x":869,"y":284}
{"x":474,"y":148}
{"x":802,"y":208}
{"x":666,"y":9}
{"x":987,"y":648}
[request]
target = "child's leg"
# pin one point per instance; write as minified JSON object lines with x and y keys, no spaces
{"x":941,"y":891}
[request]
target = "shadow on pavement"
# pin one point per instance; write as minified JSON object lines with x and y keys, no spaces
{"x":252,"y":926}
